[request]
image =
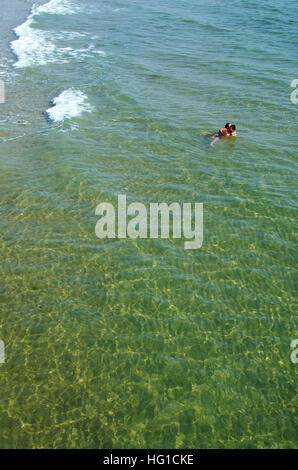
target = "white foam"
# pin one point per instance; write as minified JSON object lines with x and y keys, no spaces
{"x":34,"y":46}
{"x":70,"y":103}
{"x":59,"y":7}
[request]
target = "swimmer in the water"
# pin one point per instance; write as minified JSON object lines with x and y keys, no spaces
{"x":228,"y":131}
{"x":233,"y":131}
{"x":224,"y":132}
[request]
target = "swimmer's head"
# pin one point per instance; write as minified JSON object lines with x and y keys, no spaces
{"x":233,"y":127}
{"x":228,"y":124}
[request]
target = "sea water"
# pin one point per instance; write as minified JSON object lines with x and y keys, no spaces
{"x":124,"y":343}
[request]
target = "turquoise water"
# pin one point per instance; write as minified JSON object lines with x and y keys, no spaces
{"x":141,"y":343}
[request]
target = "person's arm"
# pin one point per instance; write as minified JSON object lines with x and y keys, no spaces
{"x":217,"y":134}
{"x":214,"y":140}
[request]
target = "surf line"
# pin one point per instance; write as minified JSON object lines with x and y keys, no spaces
{"x":152,"y":223}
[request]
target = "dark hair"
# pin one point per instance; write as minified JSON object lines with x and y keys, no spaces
{"x":227,"y":125}
{"x":233,"y":127}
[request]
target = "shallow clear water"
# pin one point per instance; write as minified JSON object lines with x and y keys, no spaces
{"x":140,"y":343}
